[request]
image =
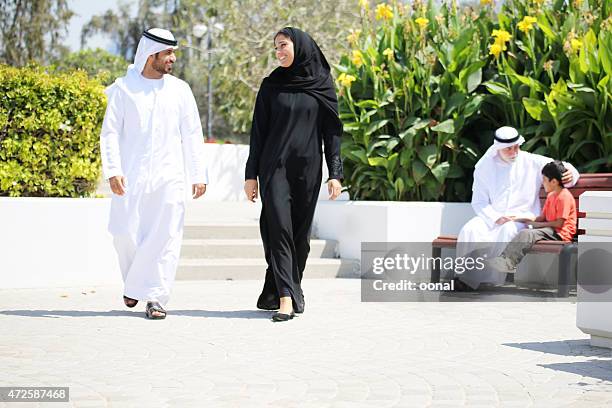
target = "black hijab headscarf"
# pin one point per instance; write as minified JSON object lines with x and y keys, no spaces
{"x":309,"y":73}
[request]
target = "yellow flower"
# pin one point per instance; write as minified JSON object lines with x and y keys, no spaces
{"x":384,"y":12}
{"x":388,"y":53}
{"x":577,"y":3}
{"x":576,"y":44}
{"x":364,"y":4}
{"x":346,"y":80}
{"x":353,"y":37}
{"x":422,"y":22}
{"x":495,"y":49}
{"x":526,"y":24}
{"x":357,"y":58}
{"x":501,"y":36}
{"x":486,"y":2}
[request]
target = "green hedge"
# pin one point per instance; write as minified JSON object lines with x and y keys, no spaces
{"x":49,"y":132}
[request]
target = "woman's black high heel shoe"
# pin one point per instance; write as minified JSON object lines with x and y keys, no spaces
{"x":282,"y":317}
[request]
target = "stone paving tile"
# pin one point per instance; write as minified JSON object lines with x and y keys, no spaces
{"x":216,"y":350}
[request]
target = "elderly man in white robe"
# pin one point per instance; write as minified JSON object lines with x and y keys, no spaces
{"x":151,"y":134}
{"x":506,"y":186}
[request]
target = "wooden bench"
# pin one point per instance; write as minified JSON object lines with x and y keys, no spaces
{"x":587,"y":182}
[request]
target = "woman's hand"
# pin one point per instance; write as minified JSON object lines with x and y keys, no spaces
{"x":334,"y":188}
{"x":251,"y":189}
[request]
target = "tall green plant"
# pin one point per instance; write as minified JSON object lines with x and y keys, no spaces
{"x":552,"y":78}
{"x":407,"y":92}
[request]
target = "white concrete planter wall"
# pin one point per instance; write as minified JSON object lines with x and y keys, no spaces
{"x":60,"y":242}
{"x":55,"y":242}
{"x":353,"y":222}
{"x":595,"y":317}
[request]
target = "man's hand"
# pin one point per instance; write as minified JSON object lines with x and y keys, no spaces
{"x":334,"y":188}
{"x":525,"y":220}
{"x":251,"y":189}
{"x":198,"y":190}
{"x":504,"y":219}
{"x":117,"y":184}
{"x":567,"y":177}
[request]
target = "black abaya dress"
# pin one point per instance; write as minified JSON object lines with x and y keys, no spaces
{"x":288,"y":132}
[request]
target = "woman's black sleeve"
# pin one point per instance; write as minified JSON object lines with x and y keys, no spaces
{"x":258,"y":136}
{"x":331,"y":140}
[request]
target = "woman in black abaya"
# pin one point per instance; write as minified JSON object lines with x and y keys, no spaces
{"x":296,"y":113}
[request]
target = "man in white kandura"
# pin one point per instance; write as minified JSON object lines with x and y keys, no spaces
{"x":151,"y":133}
{"x":507,"y":182}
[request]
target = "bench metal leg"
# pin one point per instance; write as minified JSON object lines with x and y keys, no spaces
{"x":436,"y":253}
{"x":565,"y":268}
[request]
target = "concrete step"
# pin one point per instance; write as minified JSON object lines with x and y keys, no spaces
{"x":196,"y":230}
{"x":241,"y":268}
{"x":246,"y":248}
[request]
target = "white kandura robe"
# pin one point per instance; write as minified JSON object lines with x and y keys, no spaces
{"x":151,"y":134}
{"x":502,"y":189}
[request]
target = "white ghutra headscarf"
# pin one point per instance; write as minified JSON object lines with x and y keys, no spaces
{"x":505,"y":136}
{"x":152,"y":41}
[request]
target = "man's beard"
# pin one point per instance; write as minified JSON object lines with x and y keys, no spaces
{"x":161,"y":68}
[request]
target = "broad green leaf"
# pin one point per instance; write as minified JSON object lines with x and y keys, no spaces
{"x":441,"y":171}
{"x":368,"y":103}
{"x":428,"y":154}
{"x":534,"y":107}
{"x":601,"y":85}
{"x":545,"y":27}
{"x":374,"y":126}
{"x":406,"y":156}
{"x":377,"y":161}
{"x":419,"y":171}
{"x":420,"y":124}
{"x":445,"y":127}
{"x":360,"y":155}
{"x":390,"y":145}
{"x":472,"y":106}
{"x":605,"y":51}
{"x":589,"y":60}
{"x":474,"y":80}
{"x":471,"y":76}
{"x":392,"y":162}
{"x":575,"y":72}
{"x":497,"y":89}
{"x":399,"y":187}
{"x":532,"y":83}
{"x":351,"y":126}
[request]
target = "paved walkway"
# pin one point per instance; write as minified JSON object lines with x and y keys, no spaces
{"x":215,"y":350}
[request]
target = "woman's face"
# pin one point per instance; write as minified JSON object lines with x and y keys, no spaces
{"x":284,"y":50}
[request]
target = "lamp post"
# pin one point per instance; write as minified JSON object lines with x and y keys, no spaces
{"x":199,"y":30}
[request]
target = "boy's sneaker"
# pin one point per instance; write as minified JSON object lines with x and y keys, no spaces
{"x":501,"y":264}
